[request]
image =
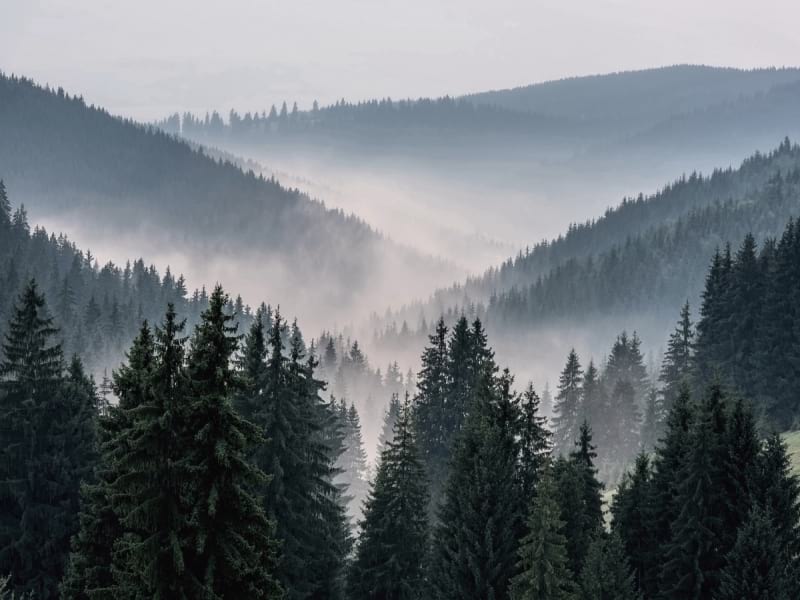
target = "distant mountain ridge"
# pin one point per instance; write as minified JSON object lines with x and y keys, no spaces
{"x":111,"y":181}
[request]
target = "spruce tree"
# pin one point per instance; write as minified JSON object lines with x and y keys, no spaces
{"x":475,"y":540}
{"x":758,"y":567}
{"x":90,"y":573}
{"x":693,"y":561}
{"x":234,"y":552}
{"x":47,"y":436}
{"x":544,"y":572}
{"x":534,"y":442}
{"x":151,"y":488}
{"x":394,"y":533}
{"x":677,"y":364}
{"x":430,"y":404}
{"x":389,"y":419}
{"x":607,"y":574}
{"x":633,"y":512}
{"x":567,"y":408}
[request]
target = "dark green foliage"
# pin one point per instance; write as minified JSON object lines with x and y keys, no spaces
{"x":394,"y":533}
{"x":579,"y":495}
{"x":475,"y":542}
{"x":634,"y":511}
{"x":568,"y":409}
{"x":759,"y":567}
{"x":677,"y":364}
{"x":693,"y":558}
{"x":534,"y":442}
{"x":543,"y":562}
{"x":233,"y":551}
{"x":150,"y":491}
{"x":606,"y":574}
{"x":48,"y":441}
{"x":298,"y":458}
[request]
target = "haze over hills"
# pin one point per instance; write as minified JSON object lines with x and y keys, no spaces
{"x":118,"y":187}
{"x":628,"y":269}
{"x":541,"y":156}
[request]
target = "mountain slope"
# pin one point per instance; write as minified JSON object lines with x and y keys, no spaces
{"x":119,"y":187}
{"x":631,"y":269}
{"x":628,"y":101}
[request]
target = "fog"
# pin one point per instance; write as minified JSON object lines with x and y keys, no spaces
{"x":148,"y":58}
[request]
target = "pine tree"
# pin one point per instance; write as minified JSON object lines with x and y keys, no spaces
{"x":776,"y":492}
{"x":693,"y":562}
{"x":758,"y":567}
{"x":534,"y":442}
{"x":475,"y":540}
{"x":353,"y":462}
{"x":670,"y":457}
{"x":632,"y":510}
{"x":47,"y":436}
{"x":430,"y":404}
{"x":606,"y":574}
{"x":389,"y":419}
{"x":389,"y":558}
{"x":543,"y":563}
{"x":568,"y":405}
{"x":90,"y":574}
{"x":153,"y":479}
{"x":677,"y":364}
{"x":653,"y":423}
{"x":234,"y":553}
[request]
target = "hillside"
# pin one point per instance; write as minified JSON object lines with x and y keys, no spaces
{"x":629,"y":269}
{"x":628,"y":101}
{"x":473,"y":179}
{"x":118,"y":187}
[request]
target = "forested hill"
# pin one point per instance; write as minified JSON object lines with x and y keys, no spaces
{"x":644,"y":257}
{"x":73,"y":165}
{"x":630,"y":100}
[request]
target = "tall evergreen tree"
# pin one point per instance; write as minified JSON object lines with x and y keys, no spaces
{"x":389,"y":419}
{"x":151,"y":488}
{"x":677,"y":364}
{"x":534,"y":442}
{"x":693,"y":561}
{"x":47,"y":436}
{"x":234,"y":551}
{"x":389,"y":559}
{"x":430,"y":404}
{"x":543,"y":563}
{"x":606,"y":574}
{"x":475,"y":541}
{"x":758,"y":567}
{"x":568,"y":405}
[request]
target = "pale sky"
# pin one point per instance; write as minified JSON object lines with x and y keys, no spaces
{"x":150,"y":57}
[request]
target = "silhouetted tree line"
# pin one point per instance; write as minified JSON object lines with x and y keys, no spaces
{"x":214,"y":476}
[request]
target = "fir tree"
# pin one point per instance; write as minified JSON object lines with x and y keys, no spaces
{"x":47,"y":438}
{"x":606,"y":574}
{"x":475,"y":540}
{"x":234,"y":552}
{"x":430,"y":404}
{"x":758,"y":567}
{"x":633,"y":512}
{"x":534,"y":442}
{"x":153,"y":479}
{"x":568,"y":405}
{"x":389,"y":419}
{"x":677,"y":364}
{"x":693,"y":561}
{"x":543,"y":563}
{"x":389,"y":558}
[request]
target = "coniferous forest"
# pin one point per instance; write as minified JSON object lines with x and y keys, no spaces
{"x":411,"y":327}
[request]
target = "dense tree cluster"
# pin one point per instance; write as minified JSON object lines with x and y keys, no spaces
{"x":748,"y":333}
{"x":388,"y":121}
{"x":611,"y":401}
{"x":715,"y":513}
{"x":649,"y":254}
